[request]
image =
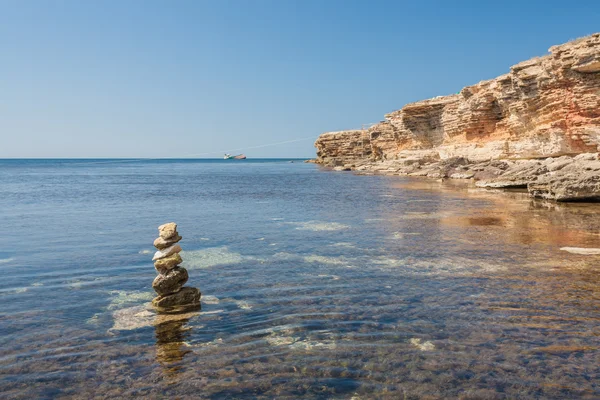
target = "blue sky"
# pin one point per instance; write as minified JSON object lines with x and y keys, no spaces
{"x":179,"y":78}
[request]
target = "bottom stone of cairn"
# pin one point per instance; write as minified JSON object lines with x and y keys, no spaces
{"x":186,"y":296}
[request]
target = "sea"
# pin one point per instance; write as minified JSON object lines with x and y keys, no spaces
{"x":315,"y":284}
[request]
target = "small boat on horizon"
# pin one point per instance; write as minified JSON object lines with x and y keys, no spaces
{"x":230,"y":157}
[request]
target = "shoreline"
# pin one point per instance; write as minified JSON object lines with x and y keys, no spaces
{"x":561,"y":179}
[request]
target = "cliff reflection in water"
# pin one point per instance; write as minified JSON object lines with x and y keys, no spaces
{"x":511,"y":216}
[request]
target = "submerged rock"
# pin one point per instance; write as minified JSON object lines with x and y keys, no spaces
{"x":423,"y":346}
{"x":186,"y":296}
{"x":171,"y":281}
{"x":142,"y":316}
{"x":581,"y":250}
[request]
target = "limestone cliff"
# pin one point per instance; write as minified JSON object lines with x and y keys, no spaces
{"x":544,"y":107}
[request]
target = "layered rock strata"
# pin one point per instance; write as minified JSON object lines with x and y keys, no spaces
{"x":169,"y":282}
{"x":545,"y":107}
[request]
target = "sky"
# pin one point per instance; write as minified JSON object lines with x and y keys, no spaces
{"x":172,"y":79}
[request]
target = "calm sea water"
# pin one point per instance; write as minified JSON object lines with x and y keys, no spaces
{"x":315,"y":284}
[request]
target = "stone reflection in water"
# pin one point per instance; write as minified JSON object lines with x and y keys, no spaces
{"x":171,"y":342}
{"x":170,"y":338}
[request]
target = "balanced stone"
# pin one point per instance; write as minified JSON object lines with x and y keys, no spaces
{"x":172,"y":295}
{"x":168,"y":230}
{"x":166,"y":252}
{"x":171,"y":281}
{"x":168,"y":262}
{"x":186,"y":296}
{"x":161,"y":243}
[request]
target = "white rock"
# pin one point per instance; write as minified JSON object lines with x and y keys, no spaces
{"x":581,"y":250}
{"x":209,"y":299}
{"x":166,"y":252}
{"x":423,"y":346}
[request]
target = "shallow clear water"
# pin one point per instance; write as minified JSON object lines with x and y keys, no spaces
{"x":315,"y":284}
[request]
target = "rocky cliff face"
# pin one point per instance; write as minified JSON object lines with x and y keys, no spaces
{"x":545,"y":107}
{"x":343,"y":147}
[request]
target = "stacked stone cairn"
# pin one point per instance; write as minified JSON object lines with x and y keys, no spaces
{"x":171,"y":277}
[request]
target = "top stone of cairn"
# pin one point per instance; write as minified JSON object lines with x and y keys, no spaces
{"x":168,"y":230}
{"x":168,"y":236}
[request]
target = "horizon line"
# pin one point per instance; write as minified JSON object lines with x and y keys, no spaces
{"x":143,"y":158}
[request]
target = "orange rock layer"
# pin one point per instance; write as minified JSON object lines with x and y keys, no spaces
{"x":545,"y":107}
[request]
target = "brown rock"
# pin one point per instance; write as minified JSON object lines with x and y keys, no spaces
{"x":186,"y":296}
{"x":577,"y":186}
{"x":561,"y":179}
{"x":171,"y":281}
{"x":168,"y":262}
{"x":335,"y":148}
{"x":161,"y":243}
{"x":167,"y":230}
{"x":517,"y":176}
